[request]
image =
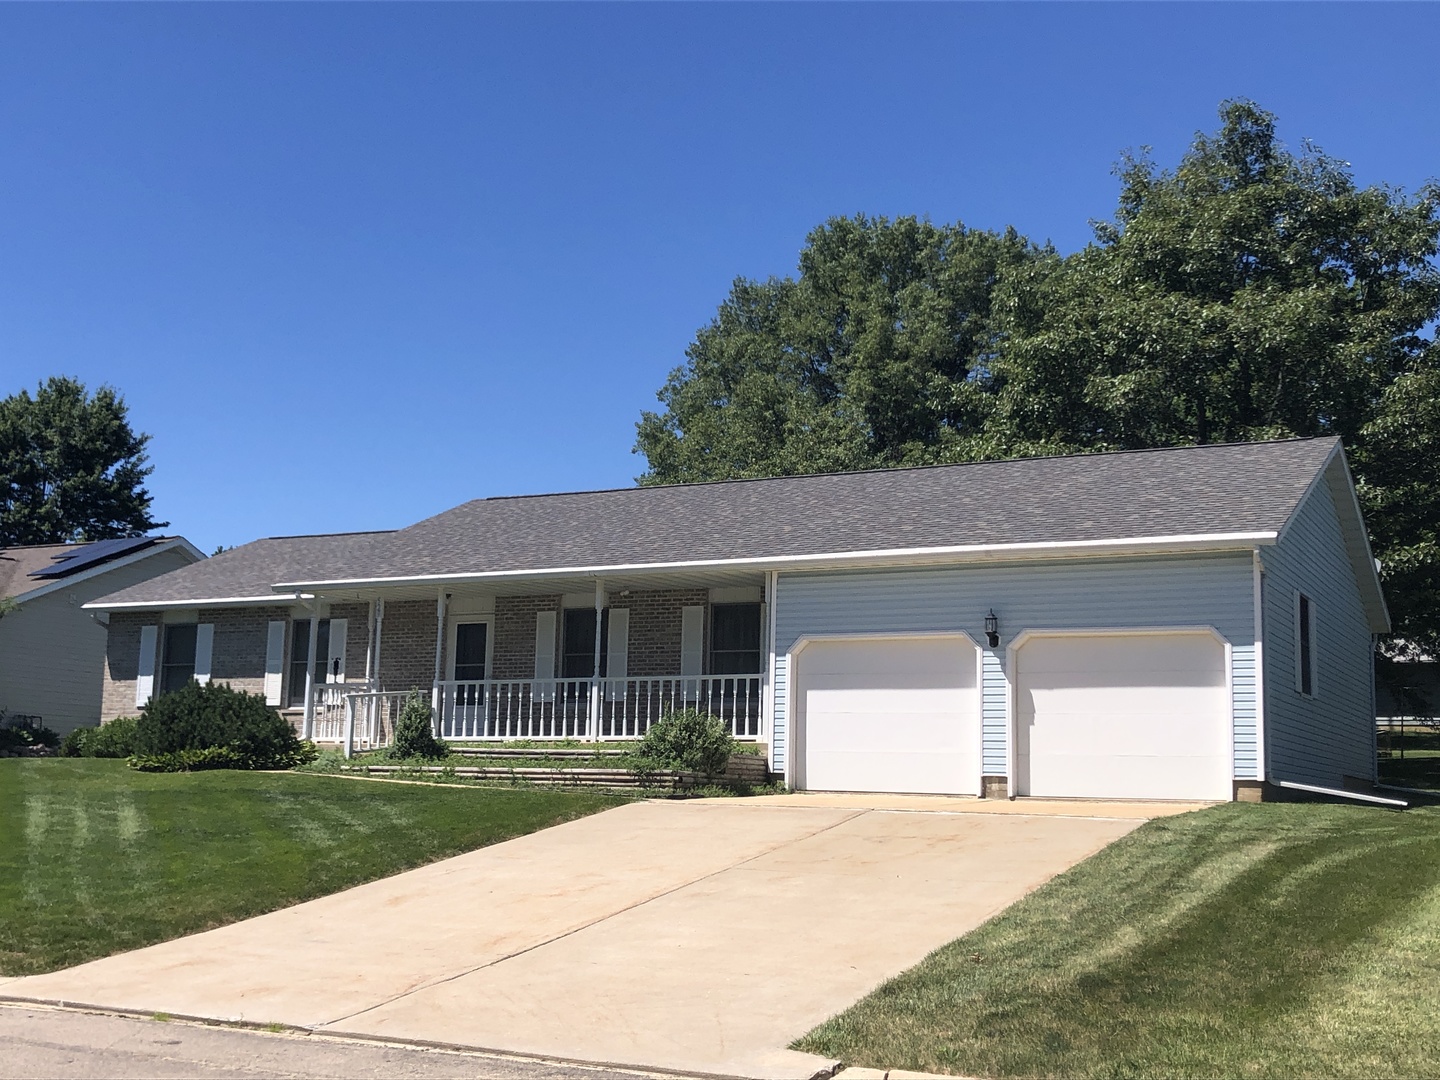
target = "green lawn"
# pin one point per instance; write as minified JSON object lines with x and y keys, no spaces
{"x":96,"y":858}
{"x":1246,"y":940}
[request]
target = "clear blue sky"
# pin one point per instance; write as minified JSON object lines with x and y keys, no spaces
{"x":351,"y":265}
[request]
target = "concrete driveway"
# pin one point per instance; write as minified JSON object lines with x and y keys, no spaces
{"x":699,"y":936}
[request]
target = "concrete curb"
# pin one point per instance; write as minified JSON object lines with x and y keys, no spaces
{"x":260,"y":1027}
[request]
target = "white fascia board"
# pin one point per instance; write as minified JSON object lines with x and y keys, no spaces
{"x":178,"y":543}
{"x":209,"y":601}
{"x":1158,"y":545}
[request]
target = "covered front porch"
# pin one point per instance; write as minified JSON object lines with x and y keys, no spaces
{"x":536,"y":658}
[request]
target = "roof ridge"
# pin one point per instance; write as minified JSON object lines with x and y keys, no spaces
{"x":316,"y":536}
{"x":887,"y":469}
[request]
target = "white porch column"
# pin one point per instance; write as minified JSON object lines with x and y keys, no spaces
{"x":370,"y":646}
{"x":442,"y":601}
{"x":379,"y":631}
{"x":767,"y":696}
{"x":595,"y":680}
{"x":307,"y":726}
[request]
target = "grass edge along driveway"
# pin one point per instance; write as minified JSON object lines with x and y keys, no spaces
{"x":1244,"y":940}
{"x":99,"y":859}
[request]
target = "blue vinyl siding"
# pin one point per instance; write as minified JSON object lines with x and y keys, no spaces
{"x":1215,"y":590}
{"x":994,"y":708}
{"x":1320,"y":739}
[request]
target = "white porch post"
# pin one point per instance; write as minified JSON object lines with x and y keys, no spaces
{"x":349,"y":725}
{"x":370,"y":645}
{"x":307,"y":726}
{"x":441,"y":602}
{"x":379,"y":630}
{"x":767,"y":695}
{"x":595,"y":680}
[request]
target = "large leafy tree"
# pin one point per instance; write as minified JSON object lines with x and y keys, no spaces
{"x":1252,"y":292}
{"x":71,"y":467}
{"x":873,"y":355}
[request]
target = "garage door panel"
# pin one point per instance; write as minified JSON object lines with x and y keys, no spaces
{"x":890,"y":657}
{"x":1142,"y":715}
{"x":889,"y":714}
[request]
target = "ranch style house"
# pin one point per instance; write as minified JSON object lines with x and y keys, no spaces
{"x":1193,"y":623}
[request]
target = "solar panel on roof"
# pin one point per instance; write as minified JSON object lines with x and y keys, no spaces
{"x":87,"y":555}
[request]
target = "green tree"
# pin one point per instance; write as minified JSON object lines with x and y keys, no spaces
{"x":872,"y":356}
{"x":1251,"y":293}
{"x":71,"y":467}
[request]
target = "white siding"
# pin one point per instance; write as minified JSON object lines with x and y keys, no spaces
{"x":1317,"y":740}
{"x":52,"y":651}
{"x":1198,"y":590}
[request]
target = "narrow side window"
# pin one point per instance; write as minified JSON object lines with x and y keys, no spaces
{"x":1305,"y":645}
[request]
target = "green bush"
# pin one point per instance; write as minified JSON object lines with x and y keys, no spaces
{"x":221,"y":757}
{"x":689,"y":740}
{"x":414,"y":736}
{"x":21,"y":734}
{"x":213,"y":716}
{"x":113,"y":740}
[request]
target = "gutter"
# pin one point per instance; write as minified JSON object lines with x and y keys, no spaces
{"x":926,"y":556}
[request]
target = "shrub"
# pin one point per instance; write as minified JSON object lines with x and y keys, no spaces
{"x":414,"y":736}
{"x":211,"y":716}
{"x":21,"y":734}
{"x":221,"y":757}
{"x":113,"y":740}
{"x":687,"y":739}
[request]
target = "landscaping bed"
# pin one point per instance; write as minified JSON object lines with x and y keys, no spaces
{"x":99,"y":858}
{"x":1276,"y":940}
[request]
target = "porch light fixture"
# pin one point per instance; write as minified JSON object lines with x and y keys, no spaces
{"x":992,"y":629}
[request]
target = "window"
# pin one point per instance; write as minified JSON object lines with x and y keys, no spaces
{"x":735,"y":639}
{"x":300,"y":654}
{"x":470,"y":642}
{"x":578,"y":660}
{"x":178,"y":667}
{"x":1305,"y":645}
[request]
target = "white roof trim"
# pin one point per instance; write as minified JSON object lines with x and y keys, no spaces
{"x":57,"y":584}
{"x":214,"y":601}
{"x":880,"y":557}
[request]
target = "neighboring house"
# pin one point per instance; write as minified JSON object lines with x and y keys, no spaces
{"x":1181,"y":623}
{"x":52,"y":651}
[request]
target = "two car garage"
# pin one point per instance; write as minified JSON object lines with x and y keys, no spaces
{"x":1125,"y":714}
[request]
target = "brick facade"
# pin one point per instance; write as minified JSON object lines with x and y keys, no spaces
{"x":407,"y":645}
{"x":654,"y":647}
{"x":513,"y":654}
{"x":122,"y":663}
{"x":241,"y":635}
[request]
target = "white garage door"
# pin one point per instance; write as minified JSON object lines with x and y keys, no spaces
{"x":1123,"y":716}
{"x":889,"y":714}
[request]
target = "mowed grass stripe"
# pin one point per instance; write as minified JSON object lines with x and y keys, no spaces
{"x":99,"y":858}
{"x":1277,"y":940}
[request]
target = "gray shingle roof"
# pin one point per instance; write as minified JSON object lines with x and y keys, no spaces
{"x":1196,"y":490}
{"x":250,"y":570}
{"x":1221,"y":489}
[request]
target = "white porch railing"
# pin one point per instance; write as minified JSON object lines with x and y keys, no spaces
{"x":514,"y":709}
{"x":361,"y":718}
{"x":499,"y":709}
{"x":370,"y":719}
{"x":327,"y":722}
{"x":629,"y":706}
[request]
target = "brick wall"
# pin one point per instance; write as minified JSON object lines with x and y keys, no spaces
{"x":122,"y":662}
{"x":655,"y":628}
{"x":407,"y":645}
{"x":241,"y":635}
{"x":513,"y":654}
